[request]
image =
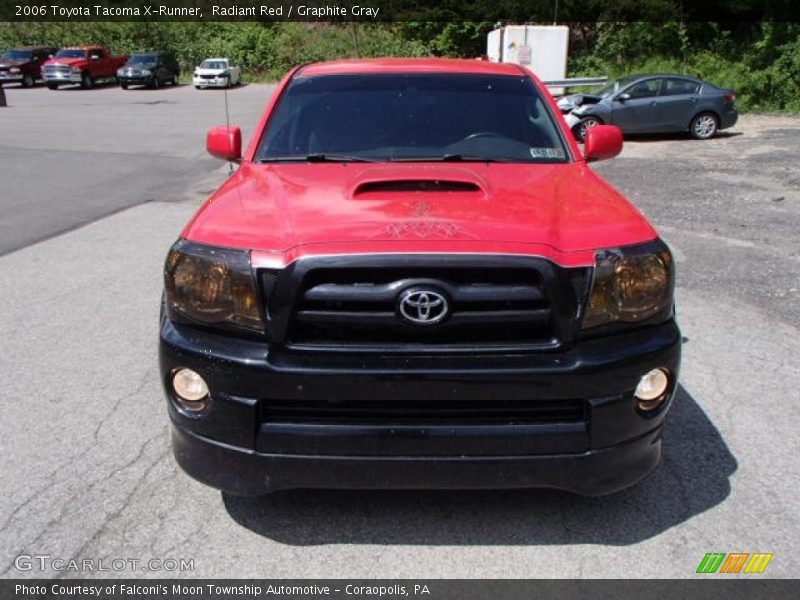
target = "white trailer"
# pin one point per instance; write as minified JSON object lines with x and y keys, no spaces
{"x":541,"y":48}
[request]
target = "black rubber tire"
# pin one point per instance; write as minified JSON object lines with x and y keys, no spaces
{"x":156,"y":83}
{"x":28,"y":81}
{"x":52,"y":86}
{"x":580,"y":129}
{"x":704,"y":126}
{"x":87,"y":81}
{"x":124,"y":86}
{"x":174,"y":80}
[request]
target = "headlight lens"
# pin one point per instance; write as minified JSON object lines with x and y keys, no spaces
{"x":14,"y":70}
{"x":211,"y":285}
{"x":75,"y":70}
{"x":631,"y":285}
{"x":145,"y":72}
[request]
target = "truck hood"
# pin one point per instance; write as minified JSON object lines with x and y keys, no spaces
{"x":563,"y":211}
{"x":16,"y":62}
{"x":200,"y":71}
{"x":69,"y":62}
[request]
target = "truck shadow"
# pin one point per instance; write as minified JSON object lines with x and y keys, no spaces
{"x":693,"y":478}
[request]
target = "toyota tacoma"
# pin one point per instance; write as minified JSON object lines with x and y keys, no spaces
{"x":415,"y":280}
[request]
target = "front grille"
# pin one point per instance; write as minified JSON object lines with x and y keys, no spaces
{"x":358,"y":308}
{"x":418,"y":412}
{"x":56,"y":69}
{"x":207,"y":76}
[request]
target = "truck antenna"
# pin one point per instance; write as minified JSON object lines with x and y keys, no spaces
{"x":228,"y":125}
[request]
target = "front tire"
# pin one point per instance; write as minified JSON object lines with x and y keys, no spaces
{"x":155,"y":84}
{"x":87,"y":81}
{"x":52,"y":86}
{"x":585,"y":125}
{"x":28,"y":81}
{"x":124,"y":86}
{"x":704,"y":126}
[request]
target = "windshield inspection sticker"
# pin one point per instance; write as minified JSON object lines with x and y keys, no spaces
{"x":547,"y":153}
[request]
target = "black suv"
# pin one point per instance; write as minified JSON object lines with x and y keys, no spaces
{"x":149,"y":68}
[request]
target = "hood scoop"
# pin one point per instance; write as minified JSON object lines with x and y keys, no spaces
{"x":376,"y":189}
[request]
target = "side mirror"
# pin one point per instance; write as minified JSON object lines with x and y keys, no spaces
{"x":225,"y":142}
{"x":602,"y":142}
{"x":623,"y":97}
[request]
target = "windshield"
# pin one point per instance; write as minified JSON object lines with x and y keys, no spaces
{"x":412,"y":117}
{"x":213,"y":64}
{"x":17,"y":55}
{"x":142,"y":59}
{"x":67,"y":53}
{"x":615,"y":86}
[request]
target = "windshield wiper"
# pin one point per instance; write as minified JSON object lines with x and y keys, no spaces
{"x":450,"y":158}
{"x":318,"y":158}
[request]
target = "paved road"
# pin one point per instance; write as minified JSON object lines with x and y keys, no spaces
{"x":86,"y":468}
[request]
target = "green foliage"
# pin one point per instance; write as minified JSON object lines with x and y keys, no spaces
{"x":760,"y":61}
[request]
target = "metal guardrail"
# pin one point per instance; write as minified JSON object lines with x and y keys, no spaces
{"x":577,"y":82}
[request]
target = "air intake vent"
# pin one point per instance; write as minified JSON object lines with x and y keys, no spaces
{"x":416,"y":185}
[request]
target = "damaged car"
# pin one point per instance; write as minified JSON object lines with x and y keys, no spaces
{"x":653,"y":104}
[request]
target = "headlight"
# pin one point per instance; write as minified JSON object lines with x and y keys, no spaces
{"x":211,"y":285}
{"x":145,"y":72}
{"x":631,"y":285}
{"x":75,"y":70}
{"x":14,"y":70}
{"x":224,"y":74}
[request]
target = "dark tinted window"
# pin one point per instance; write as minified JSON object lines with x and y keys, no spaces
{"x":70,"y":53}
{"x":17,"y":55}
{"x":644,"y":89}
{"x":674,"y":87}
{"x":413,"y":116}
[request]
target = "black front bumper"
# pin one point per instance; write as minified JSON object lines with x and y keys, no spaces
{"x":238,"y":447}
{"x":135,"y":79}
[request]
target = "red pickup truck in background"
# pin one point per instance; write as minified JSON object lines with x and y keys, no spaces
{"x":84,"y":65}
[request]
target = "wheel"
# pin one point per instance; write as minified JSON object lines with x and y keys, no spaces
{"x":585,"y":125}
{"x":52,"y":86}
{"x":703,"y":126}
{"x":229,"y":83}
{"x":174,"y":80}
{"x":87,"y":81}
{"x":28,"y":81}
{"x":197,"y":87}
{"x":156,"y":83}
{"x":124,"y":86}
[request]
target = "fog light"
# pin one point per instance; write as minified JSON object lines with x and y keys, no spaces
{"x":191,"y":390}
{"x":652,"y":389}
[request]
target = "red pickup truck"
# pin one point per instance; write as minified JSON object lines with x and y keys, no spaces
{"x":84,"y":65}
{"x":415,"y":280}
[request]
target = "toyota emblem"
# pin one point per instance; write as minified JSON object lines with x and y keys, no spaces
{"x":423,"y":307}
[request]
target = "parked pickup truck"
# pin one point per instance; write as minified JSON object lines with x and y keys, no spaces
{"x":415,"y":280}
{"x":24,"y":65}
{"x":84,"y":65}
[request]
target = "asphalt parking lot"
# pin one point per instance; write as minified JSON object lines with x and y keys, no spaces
{"x":97,"y":184}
